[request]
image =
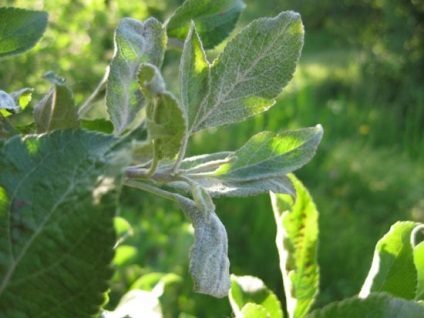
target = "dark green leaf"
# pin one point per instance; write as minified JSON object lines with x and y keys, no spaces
{"x":58,"y":196}
{"x":214,"y":19}
{"x":20,"y":29}
{"x":251,"y":290}
{"x":136,"y":42}
{"x":376,"y":305}
{"x":251,"y":71}
{"x":297,"y":243}
{"x":268,"y":155}
{"x":393,"y":269}
{"x":99,"y":125}
{"x":57,"y":109}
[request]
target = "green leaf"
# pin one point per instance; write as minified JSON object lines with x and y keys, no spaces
{"x":166,"y":125}
{"x":194,"y":75}
{"x":376,"y":305}
{"x":136,"y":42}
{"x":57,"y":109}
{"x":251,"y":290}
{"x":214,"y":19}
{"x":393,"y":269}
{"x":6,"y":129}
{"x":99,"y":125}
{"x":209,"y":264}
{"x":151,"y":280}
{"x":419,"y":266}
{"x":20,"y":29}
{"x":254,"y":311}
{"x":270,"y":154}
{"x":252,"y":70}
{"x":58,"y":198}
{"x":297,"y":243}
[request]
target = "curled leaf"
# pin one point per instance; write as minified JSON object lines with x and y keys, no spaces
{"x":209,"y":263}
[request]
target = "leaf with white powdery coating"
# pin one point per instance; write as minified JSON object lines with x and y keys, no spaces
{"x":57,"y":237}
{"x":251,"y":71}
{"x":297,"y":243}
{"x":393,"y":269}
{"x":20,"y":29}
{"x":214,"y":19}
{"x":194,"y":75}
{"x":136,"y":42}
{"x":209,"y":263}
{"x":269,"y":154}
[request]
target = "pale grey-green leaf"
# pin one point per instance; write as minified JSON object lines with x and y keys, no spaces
{"x":8,"y":103}
{"x":270,"y":154}
{"x":228,"y":188}
{"x":150,"y":80}
{"x":194,"y":75}
{"x":252,"y":70}
{"x":209,"y":263}
{"x":135,"y":42}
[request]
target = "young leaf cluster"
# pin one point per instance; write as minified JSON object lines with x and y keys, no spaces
{"x":63,"y":160}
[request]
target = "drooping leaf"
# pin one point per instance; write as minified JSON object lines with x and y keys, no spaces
{"x":20,"y":29}
{"x":251,"y":290}
{"x":214,"y":19}
{"x":297,"y":243}
{"x":393,"y":269}
{"x":58,"y":198}
{"x":209,"y":264}
{"x":270,"y":154}
{"x":376,"y":305}
{"x":136,"y":42}
{"x":57,"y":109}
{"x":194,"y":75}
{"x":251,"y":71}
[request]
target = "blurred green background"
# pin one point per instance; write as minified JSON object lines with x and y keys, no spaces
{"x":361,"y":76}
